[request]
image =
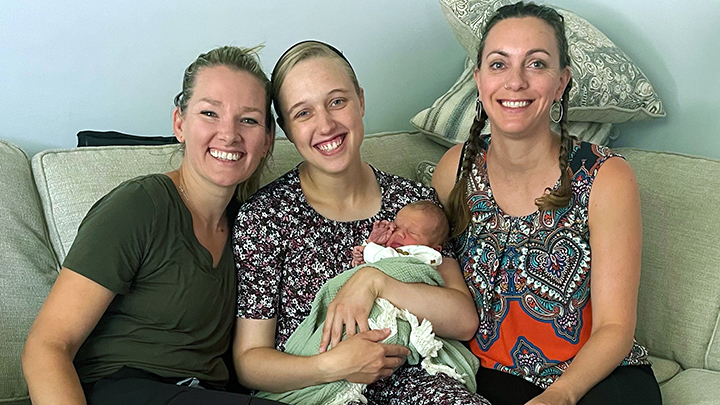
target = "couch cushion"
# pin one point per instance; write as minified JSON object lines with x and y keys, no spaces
{"x":400,"y":152}
{"x":712,"y":359}
{"x":664,"y":369}
{"x":692,"y":387}
{"x":69,"y":181}
{"x":284,"y":158}
{"x":28,"y":267}
{"x":679,"y":301}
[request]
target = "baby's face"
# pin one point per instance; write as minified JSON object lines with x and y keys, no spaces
{"x":412,"y":227}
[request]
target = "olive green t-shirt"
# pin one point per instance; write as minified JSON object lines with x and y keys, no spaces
{"x":173,"y":313}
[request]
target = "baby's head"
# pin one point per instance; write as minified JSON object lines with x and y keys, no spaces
{"x":420,"y":223}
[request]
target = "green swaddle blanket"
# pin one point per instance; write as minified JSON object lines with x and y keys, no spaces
{"x":436,"y":355}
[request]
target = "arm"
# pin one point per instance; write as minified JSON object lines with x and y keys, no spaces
{"x":71,"y":311}
{"x":616,"y":242}
{"x":360,"y":359}
{"x":435,"y":303}
{"x":353,"y":302}
{"x":444,"y":178}
{"x":108,"y":247}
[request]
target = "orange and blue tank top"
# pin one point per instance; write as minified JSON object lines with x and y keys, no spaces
{"x":530,"y":276}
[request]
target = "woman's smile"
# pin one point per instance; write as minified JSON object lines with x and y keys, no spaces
{"x":226,"y":156}
{"x":515,"y":104}
{"x":331,"y":146}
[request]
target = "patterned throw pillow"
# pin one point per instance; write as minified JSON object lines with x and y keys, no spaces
{"x":607,"y":85}
{"x":449,"y":119}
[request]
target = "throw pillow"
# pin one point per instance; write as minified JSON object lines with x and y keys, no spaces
{"x":607,"y":85}
{"x":106,"y":138}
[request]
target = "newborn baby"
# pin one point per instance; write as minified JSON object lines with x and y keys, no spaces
{"x":419,"y":230}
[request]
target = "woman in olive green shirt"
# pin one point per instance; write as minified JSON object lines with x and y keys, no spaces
{"x":143,"y":308}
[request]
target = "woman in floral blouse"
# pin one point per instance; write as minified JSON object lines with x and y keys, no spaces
{"x":298,"y":232}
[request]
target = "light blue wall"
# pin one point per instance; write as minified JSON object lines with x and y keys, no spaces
{"x":66,"y":66}
{"x":85,"y":64}
{"x":677,"y":45}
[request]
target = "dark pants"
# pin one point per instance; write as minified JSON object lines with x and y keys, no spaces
{"x":137,"y":387}
{"x":627,"y":385}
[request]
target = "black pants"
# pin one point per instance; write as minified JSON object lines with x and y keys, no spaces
{"x":130,"y":386}
{"x":627,"y":385}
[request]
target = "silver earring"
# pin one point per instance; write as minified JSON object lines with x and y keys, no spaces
{"x":478,"y":108}
{"x":556,"y":110}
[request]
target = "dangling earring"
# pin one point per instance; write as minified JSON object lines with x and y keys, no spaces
{"x":556,"y":110}
{"x":478,"y":108}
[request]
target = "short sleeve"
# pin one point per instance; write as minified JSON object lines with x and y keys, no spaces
{"x":112,"y":238}
{"x":257,"y":248}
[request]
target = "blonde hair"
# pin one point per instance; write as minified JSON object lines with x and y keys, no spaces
{"x":297,"y":53}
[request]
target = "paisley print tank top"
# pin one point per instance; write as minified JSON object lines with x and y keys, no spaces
{"x":530,"y":276}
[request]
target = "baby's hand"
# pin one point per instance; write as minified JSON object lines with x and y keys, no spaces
{"x":381,"y":232}
{"x":357,"y":254}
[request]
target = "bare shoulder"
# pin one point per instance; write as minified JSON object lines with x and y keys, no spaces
{"x":444,"y":178}
{"x":615,"y":179}
{"x":614,"y":199}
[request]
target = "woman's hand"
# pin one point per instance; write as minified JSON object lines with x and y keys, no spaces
{"x":551,"y":397}
{"x":351,"y":307}
{"x":362,"y":359}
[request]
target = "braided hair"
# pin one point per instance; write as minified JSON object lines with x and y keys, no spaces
{"x":458,"y":209}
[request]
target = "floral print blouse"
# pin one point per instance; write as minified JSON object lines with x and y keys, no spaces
{"x":285,"y":250}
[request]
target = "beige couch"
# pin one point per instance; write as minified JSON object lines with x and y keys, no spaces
{"x":44,"y":199}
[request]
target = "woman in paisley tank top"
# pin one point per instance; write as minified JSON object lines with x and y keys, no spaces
{"x":528,"y":207}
